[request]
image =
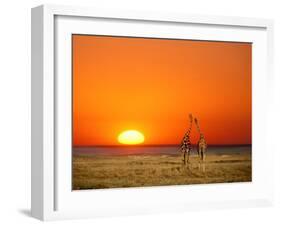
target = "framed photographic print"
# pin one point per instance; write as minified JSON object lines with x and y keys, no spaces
{"x":137,"y":112}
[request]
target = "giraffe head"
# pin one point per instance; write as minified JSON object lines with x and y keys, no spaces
{"x":190,"y":118}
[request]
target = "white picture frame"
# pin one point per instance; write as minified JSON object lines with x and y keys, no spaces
{"x":52,"y":197}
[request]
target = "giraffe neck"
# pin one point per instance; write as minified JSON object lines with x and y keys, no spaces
{"x":197,"y":126}
{"x":199,"y":131}
{"x":189,"y":129}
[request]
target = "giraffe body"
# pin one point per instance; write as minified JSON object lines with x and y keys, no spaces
{"x":201,"y":148}
{"x":202,"y":144}
{"x":186,"y":144}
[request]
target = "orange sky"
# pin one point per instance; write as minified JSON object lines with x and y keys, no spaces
{"x":151,"y":85}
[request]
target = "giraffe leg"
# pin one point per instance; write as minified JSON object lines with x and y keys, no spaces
{"x":182,"y":154}
{"x":203,"y":159}
{"x":200,"y":158}
{"x":202,"y":154}
{"x":199,"y":161}
{"x":188,"y":153}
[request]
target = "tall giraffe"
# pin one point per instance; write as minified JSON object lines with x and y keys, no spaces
{"x":202,"y":144}
{"x":186,"y":144}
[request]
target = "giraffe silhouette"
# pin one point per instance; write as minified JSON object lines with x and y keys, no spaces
{"x":186,"y":144}
{"x":201,"y":145}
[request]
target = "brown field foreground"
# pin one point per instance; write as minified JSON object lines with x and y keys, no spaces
{"x":93,"y":172}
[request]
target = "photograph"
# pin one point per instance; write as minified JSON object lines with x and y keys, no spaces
{"x":152,"y":111}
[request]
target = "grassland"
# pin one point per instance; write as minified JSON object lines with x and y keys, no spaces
{"x":95,"y":172}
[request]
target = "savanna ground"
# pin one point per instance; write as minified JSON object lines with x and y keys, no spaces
{"x":97,"y":171}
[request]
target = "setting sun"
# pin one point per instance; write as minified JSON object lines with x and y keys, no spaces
{"x":131,"y":137}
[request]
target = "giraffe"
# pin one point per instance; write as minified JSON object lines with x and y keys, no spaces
{"x":201,"y":145}
{"x":186,"y":144}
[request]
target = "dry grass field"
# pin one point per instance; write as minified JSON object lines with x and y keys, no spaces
{"x":95,"y":172}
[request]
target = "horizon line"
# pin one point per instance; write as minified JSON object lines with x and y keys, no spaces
{"x":151,"y":145}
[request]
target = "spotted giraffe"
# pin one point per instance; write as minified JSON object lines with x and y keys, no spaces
{"x":186,"y":144}
{"x":202,"y":144}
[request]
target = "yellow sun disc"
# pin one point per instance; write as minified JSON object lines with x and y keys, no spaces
{"x":131,"y":137}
